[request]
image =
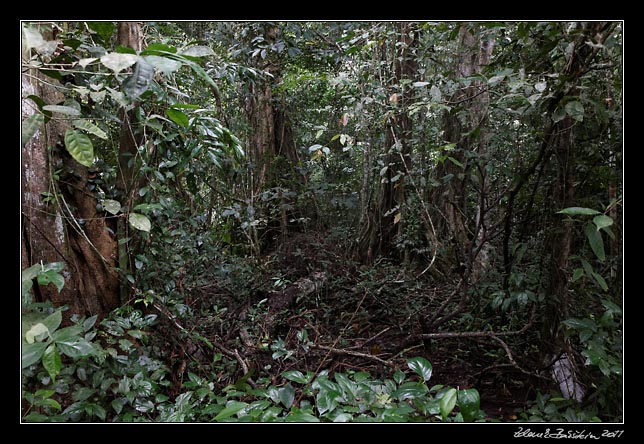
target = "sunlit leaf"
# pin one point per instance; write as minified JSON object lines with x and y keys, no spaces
{"x":578,"y":211}
{"x":91,"y":128}
{"x":62,"y":109}
{"x":198,"y":51}
{"x":51,"y":361}
{"x":36,"y":330}
{"x":448,"y":402}
{"x":602,"y":221}
{"x":232,"y":408}
{"x":118,"y":62}
{"x":80,"y":147}
{"x":140,"y":222}
{"x":469,"y":403}
{"x":421,"y":366}
{"x":177,"y":116}
{"x":111,"y":206}
{"x":163,"y":64}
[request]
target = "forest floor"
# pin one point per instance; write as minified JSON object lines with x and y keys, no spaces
{"x":311,"y":308}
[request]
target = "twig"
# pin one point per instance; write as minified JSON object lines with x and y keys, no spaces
{"x":509,"y":353}
{"x":338,"y":351}
{"x":373,"y":338}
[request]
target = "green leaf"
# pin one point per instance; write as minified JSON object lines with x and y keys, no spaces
{"x":435,"y":93}
{"x":52,"y":362}
{"x":177,"y":117}
{"x":469,"y":402}
{"x":104,"y":29}
{"x":558,"y":115}
{"x":287,"y":395}
{"x":76,"y":348}
{"x":301,"y":417}
{"x":51,"y":277}
{"x":600,"y":281}
{"x":579,"y":272}
{"x":602,"y":221}
{"x":581,"y":324}
{"x":31,"y":353}
{"x":62,"y":109}
{"x":30,"y":127}
{"x":576,"y":211}
{"x":595,"y":240}
{"x":111,"y":206}
{"x":36,"y":330}
{"x":118,"y":62}
{"x":156,"y":48}
{"x":89,"y":127}
{"x":232,"y":407}
{"x":410,"y":390}
{"x":455,"y":162}
{"x":575,"y":110}
{"x":448,"y":402}
{"x":198,"y":51}
{"x":421,"y":366}
{"x":80,"y":147}
{"x":163,"y":64}
{"x":52,"y":322}
{"x":295,"y":376}
{"x":140,"y":222}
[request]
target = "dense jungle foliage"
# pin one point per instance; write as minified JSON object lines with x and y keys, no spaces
{"x":321,"y":221}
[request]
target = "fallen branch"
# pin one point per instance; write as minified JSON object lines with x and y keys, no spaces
{"x":339,"y":351}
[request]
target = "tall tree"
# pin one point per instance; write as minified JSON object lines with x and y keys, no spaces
{"x":60,"y":220}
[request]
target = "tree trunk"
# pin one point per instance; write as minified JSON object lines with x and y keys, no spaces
{"x":272,"y":149}
{"x":465,"y":127}
{"x":385,"y":220}
{"x":67,"y":227}
{"x":565,"y":149}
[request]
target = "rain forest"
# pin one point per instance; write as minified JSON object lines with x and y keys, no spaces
{"x":321,"y":221}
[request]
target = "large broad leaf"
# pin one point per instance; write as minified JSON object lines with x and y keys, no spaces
{"x":596,"y":241}
{"x":51,"y":277}
{"x":421,"y":366}
{"x":111,"y":206}
{"x":602,"y":221}
{"x":31,"y":353}
{"x":35,"y":331}
{"x":177,"y":116}
{"x":91,"y":128}
{"x":469,"y":402}
{"x":52,"y":322}
{"x":163,"y":64}
{"x":232,"y":408}
{"x":295,"y":376}
{"x":30,"y":127}
{"x":118,"y":62}
{"x":198,"y":51}
{"x":575,"y":110}
{"x":52,"y":362}
{"x":140,"y":222}
{"x":410,"y":390}
{"x":80,"y":147}
{"x":578,"y":211}
{"x":76,"y":348}
{"x":301,"y":417}
{"x":448,"y":402}
{"x":62,"y":109}
{"x":287,"y":395}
